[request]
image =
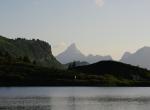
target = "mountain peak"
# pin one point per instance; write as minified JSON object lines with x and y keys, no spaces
{"x":72,"y":46}
{"x":140,"y":57}
{"x":72,"y":53}
{"x":125,"y":55}
{"x":145,"y":48}
{"x":73,"y":49}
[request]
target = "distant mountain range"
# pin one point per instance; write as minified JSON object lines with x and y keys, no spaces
{"x":76,"y":64}
{"x":31,"y":63}
{"x":72,"y":53}
{"x":40,"y":51}
{"x":140,"y":58}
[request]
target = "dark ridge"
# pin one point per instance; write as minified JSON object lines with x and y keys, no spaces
{"x":117,"y":69}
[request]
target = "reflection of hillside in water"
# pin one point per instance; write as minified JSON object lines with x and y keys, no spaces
{"x":75,"y":103}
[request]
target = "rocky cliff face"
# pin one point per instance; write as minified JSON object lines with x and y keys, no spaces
{"x":72,"y":53}
{"x":36,"y":50}
{"x":140,"y":58}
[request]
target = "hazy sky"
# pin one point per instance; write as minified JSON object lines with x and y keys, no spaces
{"x":97,"y":26}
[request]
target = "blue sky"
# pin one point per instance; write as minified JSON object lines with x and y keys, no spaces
{"x":97,"y":26}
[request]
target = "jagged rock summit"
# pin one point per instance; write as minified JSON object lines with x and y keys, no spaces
{"x":72,"y":53}
{"x":140,"y":58}
{"x":126,"y":55}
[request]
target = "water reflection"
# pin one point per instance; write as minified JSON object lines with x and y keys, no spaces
{"x":22,"y":103}
{"x":102,"y":103}
{"x":75,"y":99}
{"x":74,"y":103}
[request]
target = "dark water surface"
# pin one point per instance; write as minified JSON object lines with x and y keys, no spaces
{"x":75,"y":98}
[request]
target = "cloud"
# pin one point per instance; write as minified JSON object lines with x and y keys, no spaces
{"x":60,"y":45}
{"x":99,"y":3}
{"x":58,"y":48}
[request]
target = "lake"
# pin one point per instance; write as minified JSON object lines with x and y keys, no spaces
{"x":75,"y":98}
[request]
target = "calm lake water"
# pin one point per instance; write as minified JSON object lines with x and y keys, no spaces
{"x":74,"y":98}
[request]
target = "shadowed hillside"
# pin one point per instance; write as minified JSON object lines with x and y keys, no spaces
{"x":116,"y":71}
{"x":31,"y":63}
{"x":23,"y":72}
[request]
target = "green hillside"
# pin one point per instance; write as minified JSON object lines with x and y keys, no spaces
{"x":116,"y":73}
{"x":23,"y":72}
{"x":36,"y":50}
{"x":31,"y":63}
